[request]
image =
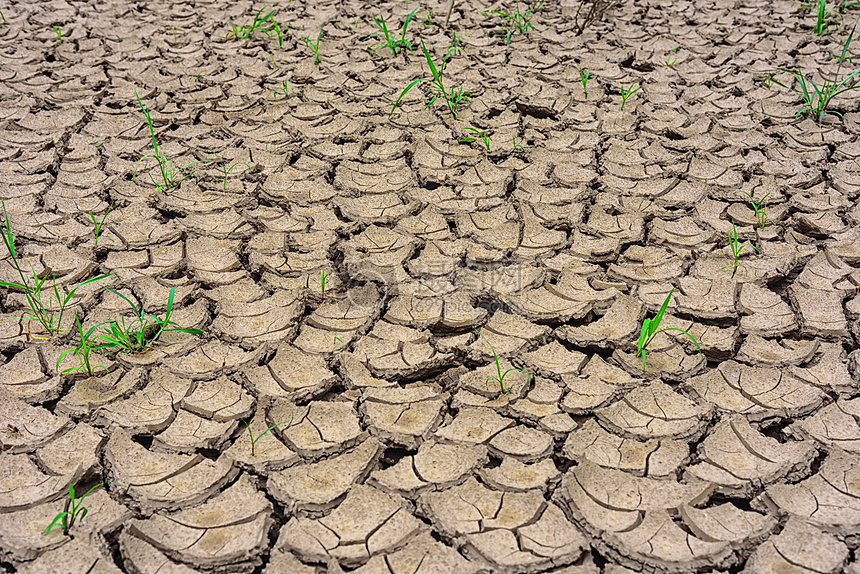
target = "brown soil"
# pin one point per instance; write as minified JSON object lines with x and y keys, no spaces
{"x":393,"y":450}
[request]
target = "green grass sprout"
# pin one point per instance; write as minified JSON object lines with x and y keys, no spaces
{"x":651,"y":328}
{"x":518,"y":21}
{"x":3,"y":17}
{"x":483,"y":137}
{"x":390,"y":42}
{"x":428,"y":19}
{"x":817,"y":99}
{"x":669,"y":60}
{"x":276,"y":29}
{"x":248,"y":426}
{"x":759,"y":209}
{"x":82,"y":351}
{"x":73,"y":511}
{"x":285,"y":89}
{"x":453,"y":98}
{"x":626,"y":93}
{"x":245,"y":30}
{"x":516,"y":145}
{"x":314,"y":46}
{"x":823,"y":19}
{"x":97,"y":225}
{"x":141,"y":333}
{"x":500,"y":376}
{"x":583,"y":79}
{"x":48,"y":313}
{"x":736,"y":248}
{"x":323,"y":277}
{"x":169,"y":176}
{"x":224,"y":167}
{"x":59,"y":34}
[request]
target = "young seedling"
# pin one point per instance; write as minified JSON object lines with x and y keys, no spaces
{"x":626,"y":93}
{"x":483,"y":137}
{"x":251,"y":434}
{"x":323,"y":277}
{"x":97,"y":225}
{"x":824,"y":19}
{"x":583,"y":79}
{"x":518,"y":21}
{"x":277,"y":30}
{"x":245,"y":30}
{"x":452,"y":98}
{"x":224,"y":167}
{"x":73,"y":511}
{"x":169,"y":176}
{"x":736,"y":248}
{"x":59,"y":34}
{"x":651,"y":328}
{"x":759,"y":208}
{"x":285,"y":89}
{"x":82,"y":351}
{"x":314,"y":46}
{"x":390,"y":42}
{"x":143,"y":332}
{"x":48,"y":313}
{"x":817,"y":98}
{"x":3,"y":17}
{"x":516,"y":145}
{"x":670,"y":61}
{"x":500,"y":377}
{"x":428,"y":19}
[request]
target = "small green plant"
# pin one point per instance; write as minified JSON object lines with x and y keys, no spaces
{"x":59,"y":34}
{"x":251,"y":434}
{"x":276,"y":30}
{"x":174,"y":28}
{"x":516,"y":145}
{"x":3,"y":17}
{"x":141,"y":333}
{"x":651,"y":328}
{"x":518,"y":21}
{"x":82,"y":351}
{"x":669,"y":60}
{"x":244,"y":31}
{"x":169,"y":176}
{"x":314,"y":46}
{"x":224,"y":167}
{"x":285,"y":89}
{"x":626,"y":93}
{"x":97,"y":225}
{"x":452,"y":98}
{"x":759,"y":208}
{"x":197,"y":77}
{"x":46,"y":312}
{"x":73,"y":511}
{"x":817,"y":99}
{"x":823,"y":19}
{"x":388,"y":41}
{"x":482,"y":135}
{"x":338,"y":339}
{"x":98,"y":146}
{"x":323,"y":277}
{"x":428,"y":19}
{"x":500,"y":377}
{"x":583,"y":79}
{"x":736,"y":248}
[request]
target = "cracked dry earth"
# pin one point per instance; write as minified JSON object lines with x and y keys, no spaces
{"x":397,"y":455}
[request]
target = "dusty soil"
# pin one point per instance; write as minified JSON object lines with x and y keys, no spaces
{"x":397,"y":452}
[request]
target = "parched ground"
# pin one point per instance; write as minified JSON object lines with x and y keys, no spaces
{"x":396,"y":452}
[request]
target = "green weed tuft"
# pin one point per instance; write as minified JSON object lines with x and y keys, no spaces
{"x":651,"y":328}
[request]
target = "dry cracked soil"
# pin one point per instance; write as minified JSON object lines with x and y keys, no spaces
{"x":394,"y":450}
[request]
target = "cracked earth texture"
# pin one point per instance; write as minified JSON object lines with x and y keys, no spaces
{"x":396,"y":452}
